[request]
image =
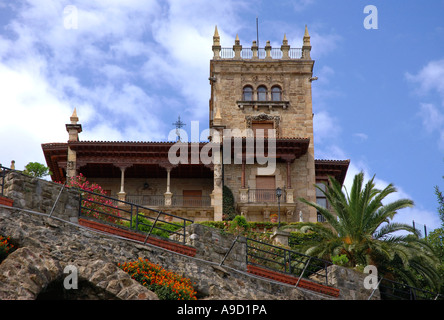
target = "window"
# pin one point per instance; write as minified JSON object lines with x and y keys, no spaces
{"x":321,"y":200}
{"x":247,"y":94}
{"x":263,"y":128}
{"x":276,"y":94}
{"x":261,"y":93}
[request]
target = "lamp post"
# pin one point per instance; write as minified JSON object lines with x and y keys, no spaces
{"x":278,"y":195}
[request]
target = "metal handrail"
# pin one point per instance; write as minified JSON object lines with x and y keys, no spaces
{"x":286,"y":260}
{"x":130,"y":209}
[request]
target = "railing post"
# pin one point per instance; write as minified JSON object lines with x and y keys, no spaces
{"x":57,"y":200}
{"x":184,"y":231}
{"x":149,"y":233}
{"x":226,"y":255}
{"x":302,"y":273}
{"x":80,"y":203}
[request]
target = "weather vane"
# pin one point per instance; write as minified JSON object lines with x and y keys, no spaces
{"x":179,"y":124}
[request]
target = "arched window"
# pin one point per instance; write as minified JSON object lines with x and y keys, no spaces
{"x":247,"y":94}
{"x":276,"y":93}
{"x":261,"y":93}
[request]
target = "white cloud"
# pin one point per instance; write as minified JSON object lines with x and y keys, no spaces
{"x":429,"y":80}
{"x":325,"y":127}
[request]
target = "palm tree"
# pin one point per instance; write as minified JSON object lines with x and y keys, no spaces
{"x":359,"y":226}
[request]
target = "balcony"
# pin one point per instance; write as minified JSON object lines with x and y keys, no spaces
{"x":257,"y":104}
{"x":265,"y":196}
{"x":163,"y":201}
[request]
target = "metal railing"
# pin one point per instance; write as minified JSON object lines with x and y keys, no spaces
{"x":264,"y":195}
{"x":287,"y":261}
{"x":191,"y":201}
{"x":146,"y":200}
{"x":275,"y":53}
{"x":176,"y":201}
{"x":132,"y":216}
{"x":392,"y":290}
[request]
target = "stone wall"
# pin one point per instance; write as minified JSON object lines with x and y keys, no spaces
{"x":41,"y":195}
{"x":213,"y":245}
{"x":48,"y":244}
{"x":351,"y":283}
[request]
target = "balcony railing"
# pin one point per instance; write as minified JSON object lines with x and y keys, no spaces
{"x":146,"y":200}
{"x":275,"y":53}
{"x":191,"y":201}
{"x":176,"y":201}
{"x":263,"y":195}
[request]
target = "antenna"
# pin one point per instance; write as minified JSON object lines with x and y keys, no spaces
{"x":257,"y":32}
{"x":179,"y":124}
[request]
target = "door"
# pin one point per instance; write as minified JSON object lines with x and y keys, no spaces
{"x":192,"y":198}
{"x":265,"y":189}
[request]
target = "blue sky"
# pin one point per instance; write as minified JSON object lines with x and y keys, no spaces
{"x":132,"y":67}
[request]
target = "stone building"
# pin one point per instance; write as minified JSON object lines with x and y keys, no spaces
{"x":261,"y":126}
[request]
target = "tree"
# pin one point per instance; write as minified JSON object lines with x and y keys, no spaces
{"x":360,"y":227}
{"x":37,"y":170}
{"x":441,"y":204}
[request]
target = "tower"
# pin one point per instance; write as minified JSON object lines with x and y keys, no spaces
{"x":256,"y":90}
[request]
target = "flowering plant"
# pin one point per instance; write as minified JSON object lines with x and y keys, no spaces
{"x":5,"y":247}
{"x":94,"y":204}
{"x":166,"y":284}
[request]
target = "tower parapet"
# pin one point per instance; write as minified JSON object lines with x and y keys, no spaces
{"x":237,"y":52}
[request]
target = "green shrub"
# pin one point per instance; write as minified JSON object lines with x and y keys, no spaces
{"x":238,"y":225}
{"x":228,"y":209}
{"x":340,"y":260}
{"x":145,"y":225}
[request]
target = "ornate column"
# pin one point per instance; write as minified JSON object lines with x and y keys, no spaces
{"x":243,"y":191}
{"x":237,"y":48}
{"x":285,"y":48}
{"x":168,"y":195}
{"x":216,"y":45}
{"x":122,"y":194}
{"x":289,"y":192}
{"x":268,"y":51}
{"x":254,"y":48}
{"x":306,"y":46}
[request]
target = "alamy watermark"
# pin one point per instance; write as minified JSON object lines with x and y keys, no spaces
{"x":70,"y":17}
{"x":371,"y":281}
{"x":371,"y":21}
{"x":71,"y":281}
{"x":259,"y":147}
